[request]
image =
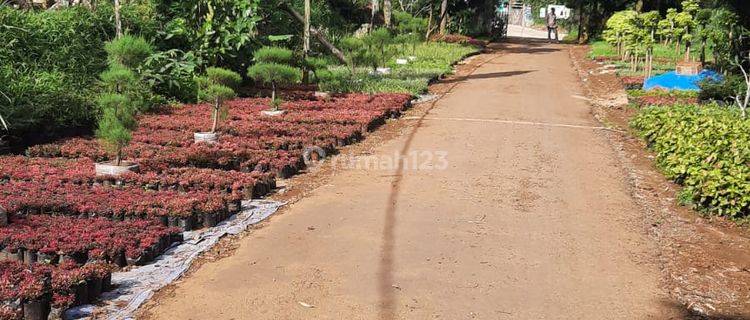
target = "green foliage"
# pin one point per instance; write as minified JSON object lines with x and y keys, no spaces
{"x":617,"y":26}
{"x":39,"y":105}
{"x":355,"y":52}
{"x":704,"y":148}
{"x":273,"y":55}
{"x":723,"y":91}
{"x":121,"y":106}
{"x":217,"y":83}
{"x":408,"y":24}
{"x":724,"y":32}
{"x":118,"y":78}
{"x":218,"y":92}
{"x":116,"y":123}
{"x":272,"y":67}
{"x":124,"y":93}
{"x":377,"y":43}
{"x":224,"y":77}
{"x":129,"y":51}
{"x":171,"y":74}
{"x":49,"y":61}
{"x":319,"y":67}
{"x":218,"y":31}
{"x":274,"y":74}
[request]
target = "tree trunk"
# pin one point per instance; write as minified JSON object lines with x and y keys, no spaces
{"x":273,"y":96}
{"x":374,"y":10}
{"x":118,"y":156}
{"x":429,"y":24}
{"x":387,"y":10}
{"x":306,"y":41}
{"x":580,"y":21}
{"x":216,"y":116}
{"x":443,"y":16}
{"x":118,"y":20}
{"x":703,"y":51}
{"x":315,"y":33}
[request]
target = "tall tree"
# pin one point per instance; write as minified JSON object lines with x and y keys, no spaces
{"x":387,"y":12}
{"x":443,"y":16}
{"x":118,"y":20}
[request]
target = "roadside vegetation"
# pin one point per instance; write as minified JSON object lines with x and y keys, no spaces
{"x":699,"y":137}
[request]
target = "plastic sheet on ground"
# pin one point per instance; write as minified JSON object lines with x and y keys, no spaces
{"x":136,"y":286}
{"x":673,"y":81}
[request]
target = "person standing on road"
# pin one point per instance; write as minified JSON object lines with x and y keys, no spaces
{"x":552,"y":25}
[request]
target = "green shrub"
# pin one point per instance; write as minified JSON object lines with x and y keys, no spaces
{"x":319,"y":67}
{"x":378,"y":47}
{"x":723,"y":90}
{"x":223,"y":77}
{"x":129,"y":51}
{"x":41,"y":105}
{"x":50,"y":62}
{"x":118,"y":78}
{"x":273,"y":55}
{"x":704,"y":148}
{"x":171,"y":74}
{"x":274,"y":74}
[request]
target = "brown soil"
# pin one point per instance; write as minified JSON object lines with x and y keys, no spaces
{"x":535,"y":217}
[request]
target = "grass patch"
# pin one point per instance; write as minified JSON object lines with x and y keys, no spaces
{"x":432,"y":60}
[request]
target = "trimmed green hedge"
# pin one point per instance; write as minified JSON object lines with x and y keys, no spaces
{"x":50,"y":61}
{"x":704,"y":148}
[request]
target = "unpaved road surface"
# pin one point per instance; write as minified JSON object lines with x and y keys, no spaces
{"x":528,"y":217}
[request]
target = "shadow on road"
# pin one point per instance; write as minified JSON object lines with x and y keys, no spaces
{"x":491,"y":75}
{"x":385,"y":268}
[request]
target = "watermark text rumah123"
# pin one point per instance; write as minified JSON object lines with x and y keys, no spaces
{"x":418,"y":160}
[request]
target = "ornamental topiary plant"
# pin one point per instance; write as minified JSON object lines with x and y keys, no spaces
{"x":319,"y":68}
{"x":217,"y":86}
{"x":272,"y":67}
{"x":129,"y":51}
{"x":117,"y":103}
{"x":378,"y":44}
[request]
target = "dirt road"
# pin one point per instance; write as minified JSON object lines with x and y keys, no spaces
{"x":527,"y":217}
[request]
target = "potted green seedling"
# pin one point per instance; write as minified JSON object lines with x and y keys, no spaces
{"x":273,"y":67}
{"x":216,"y":86}
{"x":114,"y":132}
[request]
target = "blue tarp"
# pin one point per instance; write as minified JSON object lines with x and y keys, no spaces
{"x":674,"y":81}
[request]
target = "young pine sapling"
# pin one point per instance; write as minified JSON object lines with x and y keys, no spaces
{"x":217,"y":86}
{"x":273,"y":67}
{"x":116,"y":123}
{"x":117,"y":108}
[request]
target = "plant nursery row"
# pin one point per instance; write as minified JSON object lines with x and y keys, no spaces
{"x":68,"y":227}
